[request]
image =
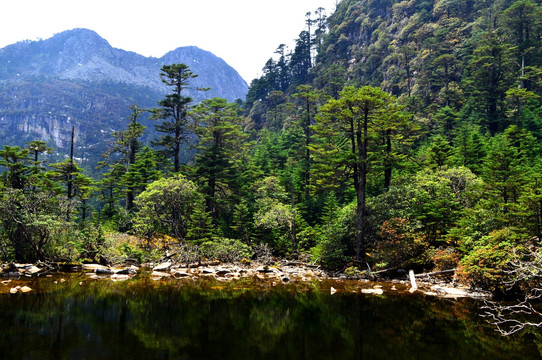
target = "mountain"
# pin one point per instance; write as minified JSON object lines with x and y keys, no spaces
{"x":77,"y":78}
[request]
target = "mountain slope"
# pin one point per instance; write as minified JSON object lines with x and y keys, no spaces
{"x":77,"y":78}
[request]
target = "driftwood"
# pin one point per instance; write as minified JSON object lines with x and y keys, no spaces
{"x":300,"y":263}
{"x":413,"y":285}
{"x":436,"y":273}
{"x":383,"y":271}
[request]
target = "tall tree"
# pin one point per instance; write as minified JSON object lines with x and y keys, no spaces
{"x":219,"y":129}
{"x":128,"y":144}
{"x":309,"y":98}
{"x":356,"y":111}
{"x":173,"y":111}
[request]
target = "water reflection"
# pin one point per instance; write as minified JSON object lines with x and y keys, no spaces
{"x":141,"y":318}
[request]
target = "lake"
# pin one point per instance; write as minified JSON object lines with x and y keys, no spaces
{"x":69,"y":316}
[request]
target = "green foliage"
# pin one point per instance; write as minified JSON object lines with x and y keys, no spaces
{"x":173,"y":111}
{"x":31,"y":221}
{"x":335,"y":241}
{"x":167,"y":207}
{"x":484,"y":265}
{"x":402,"y":245}
{"x":220,"y":145}
{"x":226,"y":250}
{"x":406,"y":135}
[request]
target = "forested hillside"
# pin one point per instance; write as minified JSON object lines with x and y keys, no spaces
{"x":395,"y":135}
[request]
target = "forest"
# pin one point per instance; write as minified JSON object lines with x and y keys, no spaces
{"x":394,"y":135}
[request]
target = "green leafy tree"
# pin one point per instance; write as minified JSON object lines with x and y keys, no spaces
{"x":504,"y":175}
{"x":439,"y":152}
{"x":167,"y":207}
{"x":273,"y":215}
{"x":30,"y":221}
{"x":78,"y":185}
{"x":309,"y":98}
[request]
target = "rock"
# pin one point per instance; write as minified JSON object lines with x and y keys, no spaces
{"x":93,"y":267}
{"x":119,"y":277}
{"x":127,"y":271}
{"x":26,"y":289}
{"x":265,"y":269}
{"x":457,"y":292}
{"x":159,"y":274}
{"x":32,"y":270}
{"x":285,"y":279}
{"x":23,"y":266}
{"x":105,"y":271}
{"x":163,"y":266}
{"x":222,"y":272}
{"x":180,"y":274}
{"x":332,"y":290}
{"x":208,"y":271}
{"x":372,"y":291}
{"x":11,"y":274}
{"x":13,"y":290}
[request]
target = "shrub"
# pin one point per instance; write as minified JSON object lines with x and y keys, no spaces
{"x":335,"y":242}
{"x":445,"y":259}
{"x":402,"y":244}
{"x":224,"y":249}
{"x":483,"y":266}
{"x":167,"y":206}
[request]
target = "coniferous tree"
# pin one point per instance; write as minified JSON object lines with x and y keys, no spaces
{"x":173,"y":111}
{"x":220,"y":143}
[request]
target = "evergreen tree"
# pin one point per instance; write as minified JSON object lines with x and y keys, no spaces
{"x":173,"y":111}
{"x":355,"y":112}
{"x":219,"y":130}
{"x":18,"y":167}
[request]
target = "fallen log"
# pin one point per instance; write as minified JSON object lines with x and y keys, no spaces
{"x":436,"y":273}
{"x":382,"y":271}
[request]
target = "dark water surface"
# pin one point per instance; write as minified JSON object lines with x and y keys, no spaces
{"x":140,"y":318}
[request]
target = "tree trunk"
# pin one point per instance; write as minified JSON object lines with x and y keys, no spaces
{"x":307,"y":152}
{"x":362,"y":183}
{"x":387,"y":162}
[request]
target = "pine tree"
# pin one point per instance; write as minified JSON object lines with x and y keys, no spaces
{"x":221,"y":139}
{"x":173,"y":111}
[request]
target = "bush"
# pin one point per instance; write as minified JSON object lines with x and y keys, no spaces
{"x":167,"y":206}
{"x":484,"y":265}
{"x":445,"y":259}
{"x":119,"y":248}
{"x":336,"y":239}
{"x":225,"y":250}
{"x":402,"y":244}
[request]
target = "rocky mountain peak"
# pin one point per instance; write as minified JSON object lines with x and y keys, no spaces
{"x":77,"y":77}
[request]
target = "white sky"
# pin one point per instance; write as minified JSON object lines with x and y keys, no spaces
{"x":245,"y":33}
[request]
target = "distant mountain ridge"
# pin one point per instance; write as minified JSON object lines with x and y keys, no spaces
{"x":77,"y":78}
{"x":83,"y":55}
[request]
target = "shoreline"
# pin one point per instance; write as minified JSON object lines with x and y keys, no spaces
{"x":282,"y":272}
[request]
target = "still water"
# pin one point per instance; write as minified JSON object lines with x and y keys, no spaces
{"x":140,"y":318}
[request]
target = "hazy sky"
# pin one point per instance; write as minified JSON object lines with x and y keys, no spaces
{"x":244,"y":33}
